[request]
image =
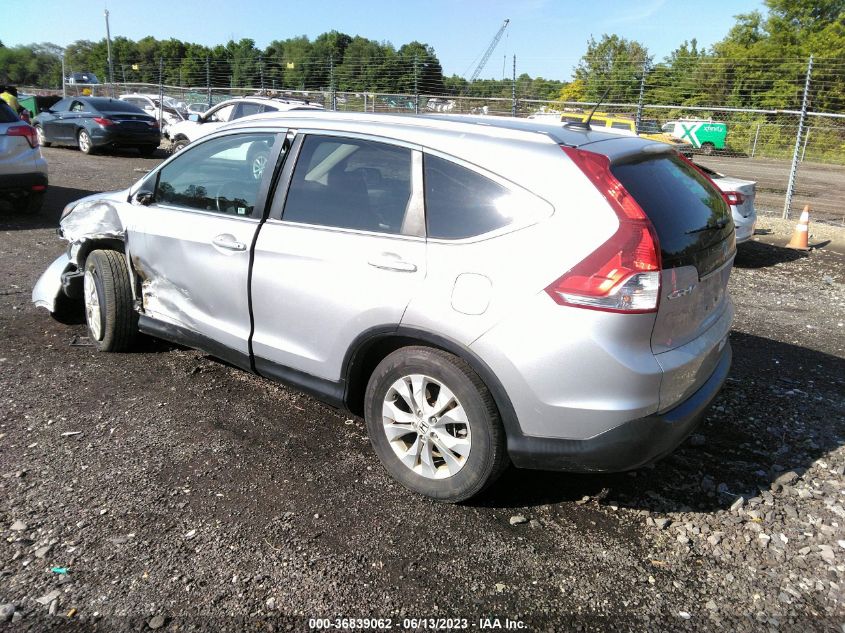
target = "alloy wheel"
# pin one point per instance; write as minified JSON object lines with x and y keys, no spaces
{"x":93,"y":313}
{"x":426,"y":426}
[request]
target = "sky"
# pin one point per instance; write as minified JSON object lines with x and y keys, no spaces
{"x":547,"y":36}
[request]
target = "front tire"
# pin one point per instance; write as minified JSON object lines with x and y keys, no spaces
{"x":179,"y":145}
{"x":83,"y":140}
{"x":707,"y":148}
{"x":107,"y":295}
{"x":434,"y":425}
{"x":42,"y":139}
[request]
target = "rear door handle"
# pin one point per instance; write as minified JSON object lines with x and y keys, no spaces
{"x":228,"y":242}
{"x":392,"y":261}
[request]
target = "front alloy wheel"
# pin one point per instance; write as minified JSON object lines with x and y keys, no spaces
{"x":93,"y":314}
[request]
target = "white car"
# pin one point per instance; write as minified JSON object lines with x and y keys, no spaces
{"x":172,"y":110}
{"x":199,"y":125}
{"x":740,"y":196}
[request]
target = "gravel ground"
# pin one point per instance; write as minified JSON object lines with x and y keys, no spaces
{"x":165,"y":490}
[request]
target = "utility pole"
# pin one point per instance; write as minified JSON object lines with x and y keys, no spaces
{"x":642,"y":96}
{"x":64,"y":77}
{"x":513,"y":89}
{"x":261,"y":70}
{"x":790,"y":188}
{"x":108,"y":52}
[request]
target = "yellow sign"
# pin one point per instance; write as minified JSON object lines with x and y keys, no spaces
{"x":290,"y":64}
{"x":134,"y":66}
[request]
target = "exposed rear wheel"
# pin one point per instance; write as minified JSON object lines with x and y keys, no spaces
{"x":107,"y":295}
{"x":34,"y":202}
{"x":434,"y":425}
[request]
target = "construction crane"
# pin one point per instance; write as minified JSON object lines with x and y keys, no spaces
{"x":488,"y":52}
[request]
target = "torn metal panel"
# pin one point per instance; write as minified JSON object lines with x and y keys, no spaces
{"x":93,"y":218}
{"x":165,"y":301}
{"x":48,"y":288}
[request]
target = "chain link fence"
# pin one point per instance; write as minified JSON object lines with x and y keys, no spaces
{"x":794,"y":153}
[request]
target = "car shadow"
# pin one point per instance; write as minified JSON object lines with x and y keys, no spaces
{"x":14,"y":218}
{"x":753,"y":255}
{"x":780,"y":411}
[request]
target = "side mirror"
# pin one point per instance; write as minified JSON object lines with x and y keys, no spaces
{"x":142,"y":198}
{"x":195,"y":118}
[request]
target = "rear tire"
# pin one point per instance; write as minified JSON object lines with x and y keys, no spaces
{"x":454,"y":410}
{"x":83,"y":140}
{"x":107,"y":295}
{"x":707,"y":148}
{"x":34,"y":202}
{"x":179,"y":145}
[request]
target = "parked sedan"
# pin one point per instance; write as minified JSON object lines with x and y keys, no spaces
{"x":92,"y":123}
{"x":739,"y":195}
{"x":424,"y":273}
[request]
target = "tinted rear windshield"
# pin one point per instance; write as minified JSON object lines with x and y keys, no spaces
{"x":688,"y":213}
{"x":114,"y":105}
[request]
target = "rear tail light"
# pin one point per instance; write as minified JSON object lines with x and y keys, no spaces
{"x":623,"y":274}
{"x":733,"y":198}
{"x":152,"y":123}
{"x":104,"y":122}
{"x":27,"y":131}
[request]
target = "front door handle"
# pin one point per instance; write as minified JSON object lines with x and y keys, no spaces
{"x":228,"y":242}
{"x":392,"y":261}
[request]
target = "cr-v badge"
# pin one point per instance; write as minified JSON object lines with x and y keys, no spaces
{"x":681,"y":292}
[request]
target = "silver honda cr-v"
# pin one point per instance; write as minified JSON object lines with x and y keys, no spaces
{"x":483,"y":291}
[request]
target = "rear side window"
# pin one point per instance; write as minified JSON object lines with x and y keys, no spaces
{"x":621,"y":126}
{"x":461,"y":203}
{"x":350,"y":183}
{"x":688,"y":213}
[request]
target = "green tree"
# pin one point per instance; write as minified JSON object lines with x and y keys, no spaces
{"x":612,"y":63}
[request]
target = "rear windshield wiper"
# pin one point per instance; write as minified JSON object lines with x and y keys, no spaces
{"x":716,"y":227}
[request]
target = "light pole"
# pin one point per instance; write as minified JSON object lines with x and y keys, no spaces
{"x":108,"y":52}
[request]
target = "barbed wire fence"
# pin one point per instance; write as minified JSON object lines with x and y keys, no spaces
{"x":792,"y":143}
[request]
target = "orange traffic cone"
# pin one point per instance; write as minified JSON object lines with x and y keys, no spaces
{"x":801,"y":233}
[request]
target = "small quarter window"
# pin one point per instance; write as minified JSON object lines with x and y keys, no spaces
{"x":461,"y":203}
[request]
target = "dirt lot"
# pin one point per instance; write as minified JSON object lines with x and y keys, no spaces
{"x":195,"y":496}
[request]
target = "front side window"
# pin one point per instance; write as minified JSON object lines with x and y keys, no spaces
{"x":223,"y":113}
{"x":218,"y":175}
{"x":350,"y":183}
